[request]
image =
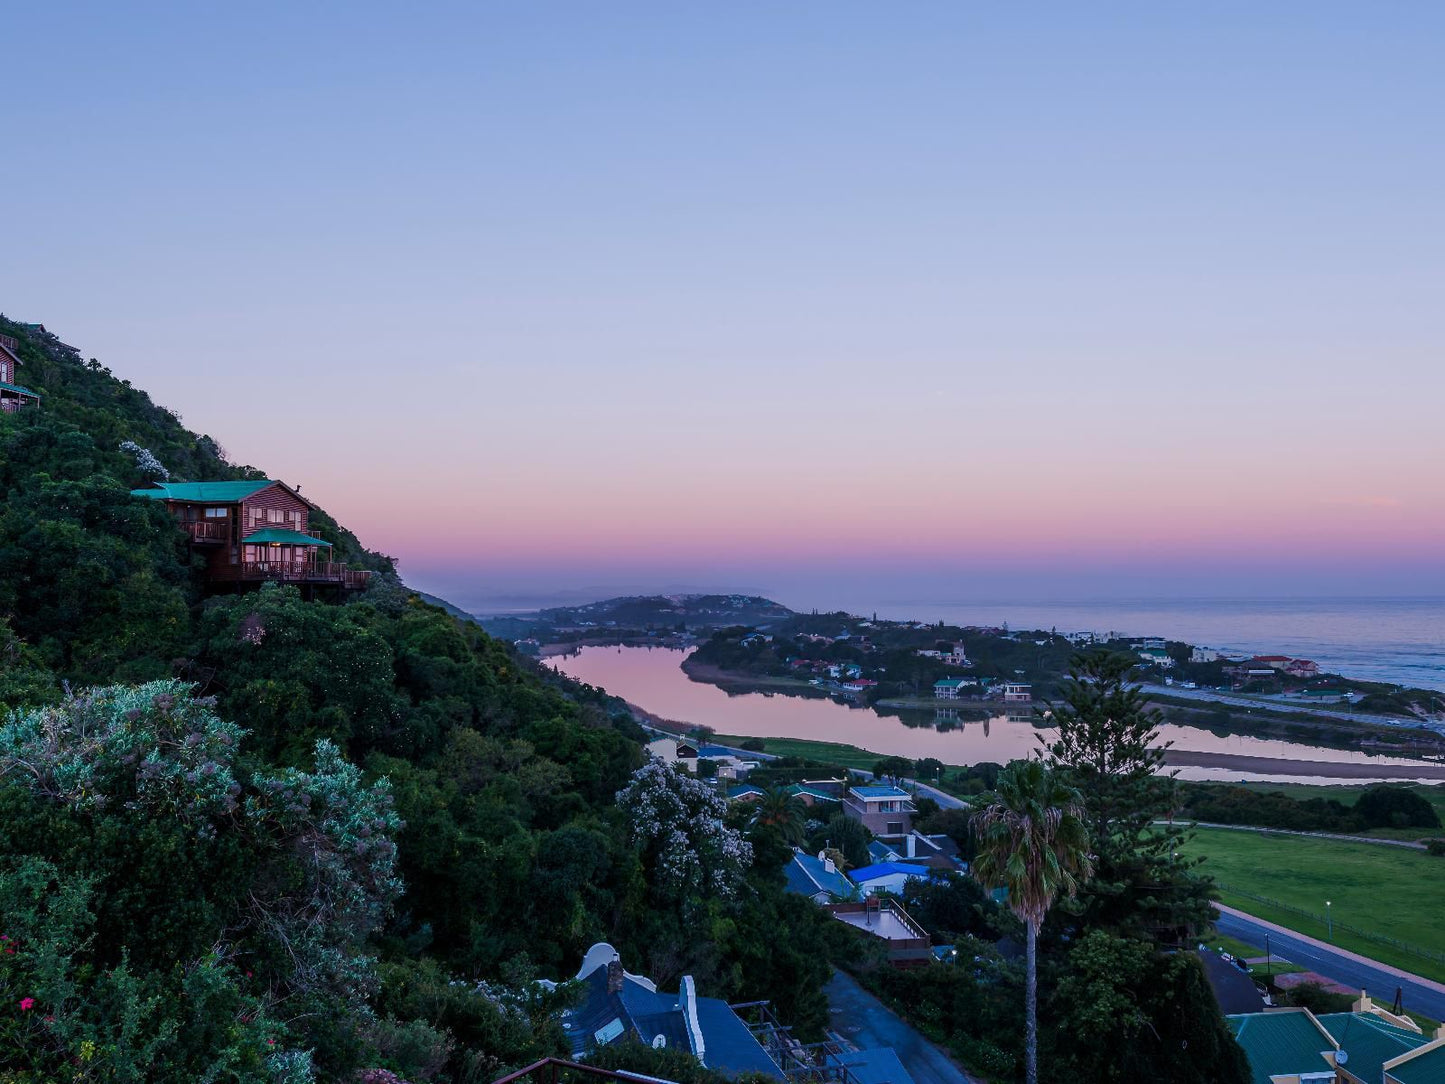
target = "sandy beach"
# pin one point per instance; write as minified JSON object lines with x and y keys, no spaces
{"x":1250,"y":765}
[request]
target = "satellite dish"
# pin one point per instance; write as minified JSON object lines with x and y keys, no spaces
{"x":659,"y":1041}
{"x":1342,"y":1057}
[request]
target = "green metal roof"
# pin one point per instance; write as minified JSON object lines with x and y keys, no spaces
{"x":1281,"y":1044}
{"x":18,"y":389}
{"x":276,"y":534}
{"x":220,"y":492}
{"x":1369,"y":1041}
{"x":1427,"y":1067}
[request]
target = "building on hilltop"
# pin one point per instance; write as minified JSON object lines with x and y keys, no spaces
{"x":253,"y":532}
{"x":13,"y":396}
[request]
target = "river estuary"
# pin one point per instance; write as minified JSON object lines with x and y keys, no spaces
{"x":652,"y":679}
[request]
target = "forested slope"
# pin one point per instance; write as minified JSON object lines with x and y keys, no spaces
{"x":252,"y":837}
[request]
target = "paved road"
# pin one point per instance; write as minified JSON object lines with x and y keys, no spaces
{"x":866,"y":1022}
{"x":1357,"y":972}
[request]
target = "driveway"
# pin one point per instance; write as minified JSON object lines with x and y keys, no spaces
{"x":866,"y":1022}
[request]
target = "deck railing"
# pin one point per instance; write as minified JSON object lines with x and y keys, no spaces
{"x":292,"y":572}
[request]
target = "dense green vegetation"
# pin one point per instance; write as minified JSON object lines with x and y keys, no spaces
{"x":324,"y":838}
{"x":1375,"y":807}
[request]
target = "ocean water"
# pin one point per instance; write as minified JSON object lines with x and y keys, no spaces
{"x":1396,"y":640}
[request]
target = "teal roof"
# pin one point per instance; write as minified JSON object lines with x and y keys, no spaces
{"x":1281,"y":1043}
{"x":220,"y":492}
{"x":18,"y":389}
{"x":1425,"y":1068}
{"x":277,"y":535}
{"x":1369,"y":1041}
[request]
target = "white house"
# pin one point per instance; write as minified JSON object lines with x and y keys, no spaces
{"x":672,"y":751}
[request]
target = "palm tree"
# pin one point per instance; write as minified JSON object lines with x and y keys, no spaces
{"x":1032,"y":841}
{"x":783,"y":811}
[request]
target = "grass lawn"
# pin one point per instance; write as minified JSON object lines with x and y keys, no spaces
{"x":1389,"y":891}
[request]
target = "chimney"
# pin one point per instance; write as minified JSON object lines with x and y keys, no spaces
{"x":828,"y":866}
{"x":912,"y":846}
{"x":614,"y":977}
{"x":687,"y":996}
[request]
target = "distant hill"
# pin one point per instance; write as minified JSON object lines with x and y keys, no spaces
{"x":672,"y":612}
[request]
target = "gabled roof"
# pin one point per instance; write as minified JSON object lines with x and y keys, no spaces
{"x":1282,"y":1043}
{"x":1423,"y":1066}
{"x":820,"y":795}
{"x":887,"y":869}
{"x":744,"y":790}
{"x":1369,"y":1041}
{"x":220,"y":492}
{"x":217,"y":492}
{"x":808,"y":876}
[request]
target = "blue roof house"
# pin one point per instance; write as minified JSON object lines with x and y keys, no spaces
{"x":816,"y":877}
{"x":887,"y":877}
{"x":616,"y":1004}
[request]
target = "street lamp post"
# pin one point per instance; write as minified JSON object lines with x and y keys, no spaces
{"x":1329,"y":920}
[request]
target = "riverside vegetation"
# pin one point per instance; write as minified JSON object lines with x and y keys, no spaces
{"x":253,"y":838}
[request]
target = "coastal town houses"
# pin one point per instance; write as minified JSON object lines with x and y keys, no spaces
{"x":251,"y":532}
{"x":952,"y":688}
{"x":884,"y":810}
{"x":13,"y":395}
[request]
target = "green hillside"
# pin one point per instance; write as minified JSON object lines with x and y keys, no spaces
{"x":255,"y":838}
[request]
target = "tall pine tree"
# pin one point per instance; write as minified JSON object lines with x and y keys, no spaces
{"x":1108,"y":748}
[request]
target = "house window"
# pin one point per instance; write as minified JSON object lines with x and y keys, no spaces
{"x":215,"y":513}
{"x":275,"y":515}
{"x":895,"y":828}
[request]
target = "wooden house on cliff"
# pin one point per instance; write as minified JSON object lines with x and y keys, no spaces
{"x":13,"y":396}
{"x":252,"y":532}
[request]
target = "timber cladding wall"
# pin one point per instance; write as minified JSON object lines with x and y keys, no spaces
{"x":274,"y":506}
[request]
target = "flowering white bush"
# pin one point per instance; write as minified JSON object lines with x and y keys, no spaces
{"x":678,"y":821}
{"x":145,"y":461}
{"x":148,"y":747}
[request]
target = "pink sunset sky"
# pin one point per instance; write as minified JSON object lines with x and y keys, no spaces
{"x":776,"y":300}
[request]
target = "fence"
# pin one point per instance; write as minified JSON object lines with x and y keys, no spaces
{"x":1364,"y":935}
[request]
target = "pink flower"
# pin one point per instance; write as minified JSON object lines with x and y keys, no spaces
{"x":26,"y":1004}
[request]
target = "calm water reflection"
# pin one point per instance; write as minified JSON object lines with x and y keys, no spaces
{"x":652,"y":679}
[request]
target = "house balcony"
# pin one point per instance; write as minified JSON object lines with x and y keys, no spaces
{"x":212,"y":531}
{"x":331,"y":573}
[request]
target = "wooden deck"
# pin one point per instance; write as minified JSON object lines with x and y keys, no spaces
{"x":321,"y":572}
